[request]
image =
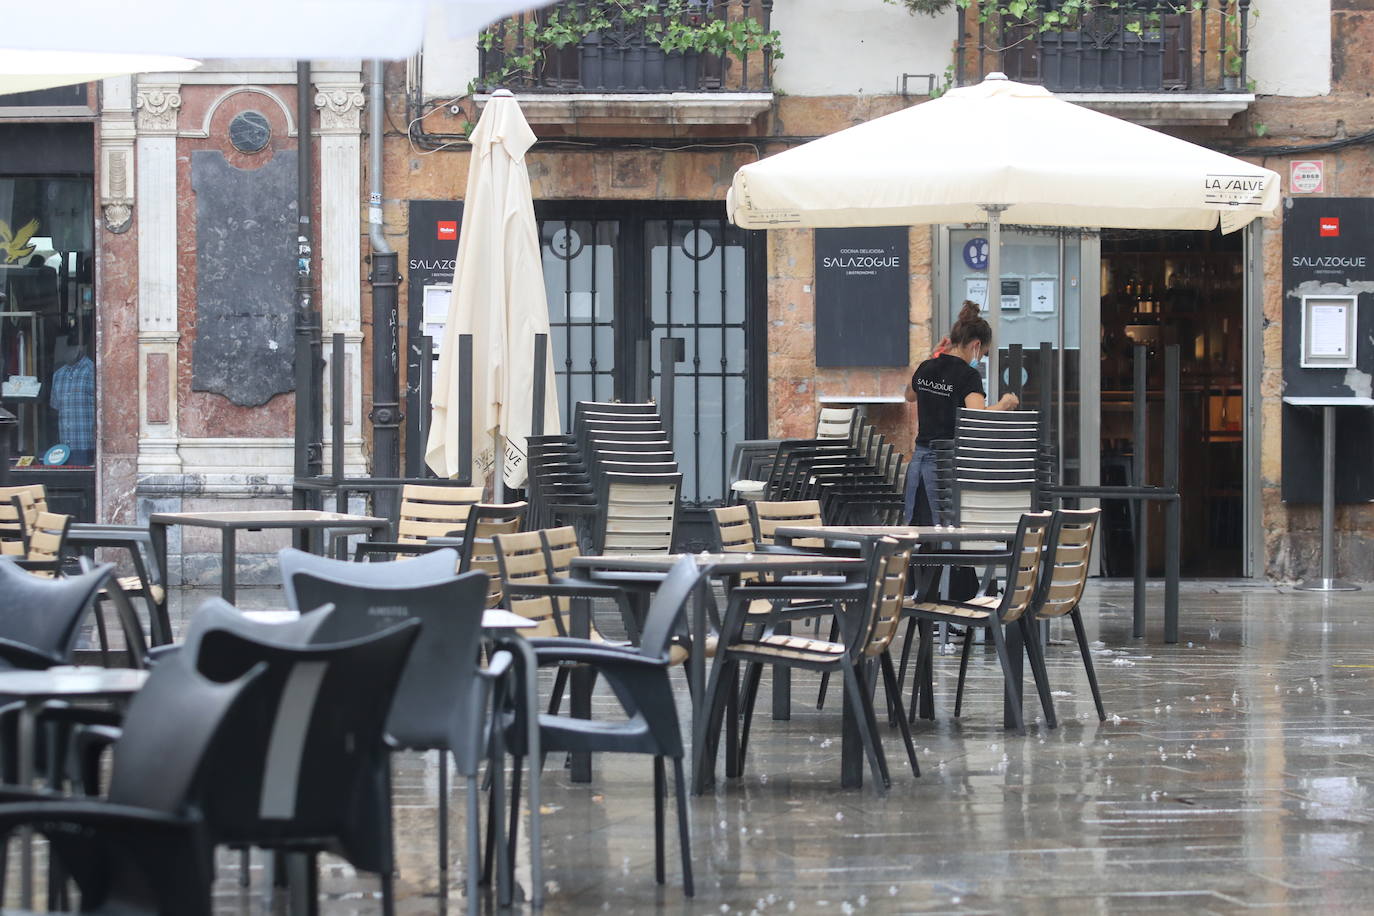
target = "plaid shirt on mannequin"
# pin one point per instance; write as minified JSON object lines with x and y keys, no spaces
{"x":73,"y":397}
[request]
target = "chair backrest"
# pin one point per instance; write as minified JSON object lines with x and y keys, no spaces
{"x":47,"y":535}
{"x":770,"y":515}
{"x":306,"y":765}
{"x":37,"y":491}
{"x":522,"y":560}
{"x":45,"y":613}
{"x":167,"y":730}
{"x":479,"y":548}
{"x":560,"y":548}
{"x":638,"y":512}
{"x":1027,"y":561}
{"x":665,"y":613}
{"x":732,"y":529}
{"x":889,"y":563}
{"x":427,"y":568}
{"x":17,"y":513}
{"x":432,"y":511}
{"x":439,"y":676}
{"x":1068,"y":551}
{"x":994,"y":469}
{"x":835,"y":422}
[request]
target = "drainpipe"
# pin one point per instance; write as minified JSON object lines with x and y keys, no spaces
{"x":309,"y":415}
{"x":386,"y":408}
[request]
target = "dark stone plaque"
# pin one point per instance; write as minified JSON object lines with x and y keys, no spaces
{"x":1327,"y":245}
{"x":245,"y":277}
{"x":862,"y":297}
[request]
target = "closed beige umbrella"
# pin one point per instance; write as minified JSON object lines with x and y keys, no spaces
{"x":498,"y":297}
{"x":1001,"y":152}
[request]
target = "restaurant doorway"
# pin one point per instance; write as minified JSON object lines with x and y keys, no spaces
{"x":1186,"y":288}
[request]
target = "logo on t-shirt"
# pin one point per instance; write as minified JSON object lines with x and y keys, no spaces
{"x":943,"y":389}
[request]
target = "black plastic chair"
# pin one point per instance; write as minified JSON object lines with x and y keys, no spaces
{"x":639,"y":679}
{"x":442,"y":700}
{"x":304,"y":767}
{"x":40,"y":618}
{"x":145,"y":849}
{"x":438,"y":565}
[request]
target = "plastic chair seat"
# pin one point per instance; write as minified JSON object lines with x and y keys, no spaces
{"x":955,"y":612}
{"x":797,"y":648}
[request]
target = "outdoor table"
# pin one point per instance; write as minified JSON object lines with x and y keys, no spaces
{"x":230,"y":523}
{"x":1327,"y":581}
{"x":66,"y":682}
{"x":924,"y":534}
{"x":709,"y":565}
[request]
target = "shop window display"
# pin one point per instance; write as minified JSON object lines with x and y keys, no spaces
{"x":47,"y":318}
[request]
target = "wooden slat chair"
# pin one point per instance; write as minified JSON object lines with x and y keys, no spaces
{"x":1068,"y":551}
{"x":770,"y":515}
{"x":47,"y":535}
{"x":478,"y":548}
{"x":867,"y":636}
{"x":17,"y":514}
{"x":637,"y":512}
{"x":993,"y":614}
{"x":426,"y":512}
{"x":534,"y":591}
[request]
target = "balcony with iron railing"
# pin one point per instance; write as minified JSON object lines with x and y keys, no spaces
{"x":1170,"y":61}
{"x":626,"y":57}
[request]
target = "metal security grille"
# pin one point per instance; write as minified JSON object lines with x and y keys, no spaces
{"x":580,"y":278}
{"x":696,"y":286}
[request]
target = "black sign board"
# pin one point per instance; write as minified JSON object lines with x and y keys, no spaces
{"x":1328,"y":248}
{"x":862,"y":297}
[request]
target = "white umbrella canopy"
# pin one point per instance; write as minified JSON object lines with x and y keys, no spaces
{"x":297,"y":29}
{"x":499,"y":298}
{"x":1004,"y":152}
{"x":27,"y":71}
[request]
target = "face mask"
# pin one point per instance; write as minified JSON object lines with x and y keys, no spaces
{"x":977,"y":361}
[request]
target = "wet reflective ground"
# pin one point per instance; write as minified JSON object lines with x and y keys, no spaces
{"x":1234,"y":772}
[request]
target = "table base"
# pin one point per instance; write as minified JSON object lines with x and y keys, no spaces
{"x":1327,"y":585}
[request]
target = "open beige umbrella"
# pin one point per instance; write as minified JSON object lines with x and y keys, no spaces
{"x":1004,"y":152}
{"x":498,"y":297}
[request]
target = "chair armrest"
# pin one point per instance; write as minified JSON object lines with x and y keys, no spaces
{"x":598,"y":655}
{"x":27,"y":657}
{"x":365,"y":547}
{"x":62,"y":810}
{"x":846,"y":591}
{"x":497,"y":667}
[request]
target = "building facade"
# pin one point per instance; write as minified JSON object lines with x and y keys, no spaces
{"x":191,"y":257}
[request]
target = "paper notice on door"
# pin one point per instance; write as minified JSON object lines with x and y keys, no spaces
{"x":436,"y":300}
{"x":1042,"y":296}
{"x":1329,"y":331}
{"x":976,"y":290}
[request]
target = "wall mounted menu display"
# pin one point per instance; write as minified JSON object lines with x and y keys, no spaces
{"x":1011,"y":295}
{"x":862,"y":297}
{"x":1328,"y":332}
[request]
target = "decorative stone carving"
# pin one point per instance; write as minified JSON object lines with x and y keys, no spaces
{"x":117,"y":198}
{"x":340,"y":108}
{"x":157,"y":108}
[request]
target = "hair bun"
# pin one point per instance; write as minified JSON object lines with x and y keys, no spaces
{"x":969,"y":313}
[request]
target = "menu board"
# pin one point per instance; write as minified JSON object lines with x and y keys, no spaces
{"x":862,"y":297}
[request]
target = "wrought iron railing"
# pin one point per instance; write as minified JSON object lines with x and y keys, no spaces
{"x":633,"y":46}
{"x":1123,"y":46}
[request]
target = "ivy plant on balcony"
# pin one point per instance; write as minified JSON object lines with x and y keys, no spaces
{"x":1045,"y":17}
{"x":673,"y":26}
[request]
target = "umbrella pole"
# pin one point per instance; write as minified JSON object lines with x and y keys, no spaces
{"x":994,"y":212}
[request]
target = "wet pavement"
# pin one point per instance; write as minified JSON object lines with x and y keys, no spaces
{"x":1234,"y":772}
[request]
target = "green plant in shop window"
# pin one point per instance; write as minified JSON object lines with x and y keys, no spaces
{"x":15,"y":245}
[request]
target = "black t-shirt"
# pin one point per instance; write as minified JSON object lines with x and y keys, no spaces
{"x":941,"y":384}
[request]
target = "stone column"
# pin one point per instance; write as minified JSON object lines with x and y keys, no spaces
{"x":156,"y":218}
{"x":340,"y":254}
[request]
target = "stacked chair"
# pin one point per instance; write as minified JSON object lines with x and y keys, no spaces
{"x":998,"y":466}
{"x":614,"y":475}
{"x":849,"y":467}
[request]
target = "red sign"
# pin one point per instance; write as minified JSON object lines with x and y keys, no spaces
{"x":447,"y":230}
{"x":1307,"y":176}
{"x":1329,"y":226}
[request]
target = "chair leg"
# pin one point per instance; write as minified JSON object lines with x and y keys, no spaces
{"x":560,"y":683}
{"x":853,"y":691}
{"x":1088,"y":662}
{"x":963,"y":670}
{"x":474,"y":862}
{"x":751,"y":694}
{"x":388,"y":883}
{"x":660,"y":789}
{"x":825,"y":675}
{"x":245,"y":855}
{"x":103,"y":634}
{"x":893,"y":688}
{"x":906,"y":649}
{"x":1031,"y":638}
{"x":866,"y":696}
{"x":683,"y":828}
{"x":732,"y":699}
{"x":443,"y":823}
{"x":923,"y":685}
{"x":716,"y":685}
{"x":514,"y":830}
{"x":1009,"y":684}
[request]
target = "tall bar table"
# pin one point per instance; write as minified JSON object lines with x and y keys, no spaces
{"x":1327,"y":581}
